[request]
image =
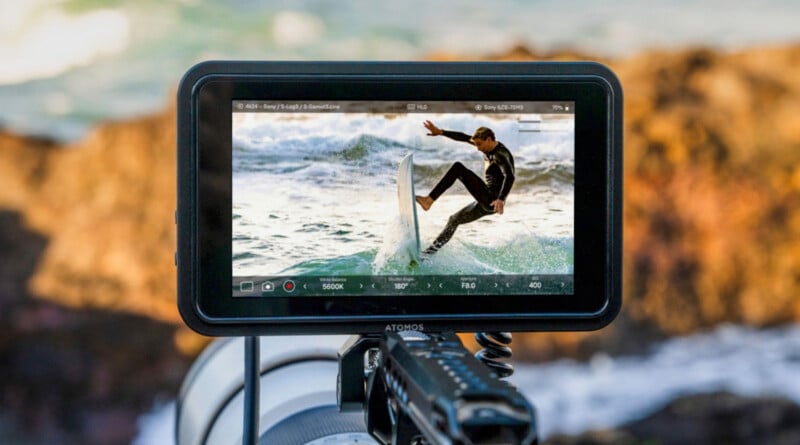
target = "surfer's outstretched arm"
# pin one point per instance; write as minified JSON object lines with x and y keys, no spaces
{"x":433,"y":130}
{"x":458,"y":136}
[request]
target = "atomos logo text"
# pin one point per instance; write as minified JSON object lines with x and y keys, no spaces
{"x":398,"y":327}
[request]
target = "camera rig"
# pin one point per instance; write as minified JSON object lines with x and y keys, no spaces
{"x":414,"y":388}
{"x":422,"y":388}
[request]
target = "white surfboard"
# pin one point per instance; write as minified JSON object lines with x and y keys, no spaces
{"x":408,"y":206}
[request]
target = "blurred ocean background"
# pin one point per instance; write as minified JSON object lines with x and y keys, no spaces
{"x":93,"y":349}
{"x":68,"y":64}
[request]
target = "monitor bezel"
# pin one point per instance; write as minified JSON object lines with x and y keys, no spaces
{"x":205,"y":111}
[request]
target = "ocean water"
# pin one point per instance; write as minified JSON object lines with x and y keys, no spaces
{"x":70,"y":63}
{"x":606,"y":392}
{"x":316,"y":194}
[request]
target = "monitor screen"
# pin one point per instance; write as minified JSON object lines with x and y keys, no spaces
{"x":393,"y":198}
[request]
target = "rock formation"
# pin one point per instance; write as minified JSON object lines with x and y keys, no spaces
{"x":87,"y":282}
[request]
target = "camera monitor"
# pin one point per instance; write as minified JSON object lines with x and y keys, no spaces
{"x":358,"y":197}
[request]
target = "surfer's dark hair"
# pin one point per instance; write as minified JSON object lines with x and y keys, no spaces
{"x":483,"y":133}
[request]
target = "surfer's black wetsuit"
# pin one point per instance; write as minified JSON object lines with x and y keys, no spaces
{"x":499,"y":172}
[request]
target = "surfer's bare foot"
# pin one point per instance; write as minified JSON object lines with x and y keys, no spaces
{"x":425,"y":201}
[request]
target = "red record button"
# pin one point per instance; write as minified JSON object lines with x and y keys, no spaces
{"x":288,"y":286}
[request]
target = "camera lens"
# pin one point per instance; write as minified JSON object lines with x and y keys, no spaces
{"x":297,"y":400}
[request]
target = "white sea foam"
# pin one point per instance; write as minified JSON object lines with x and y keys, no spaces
{"x":56,"y":42}
{"x":607,"y":392}
{"x":575,"y":397}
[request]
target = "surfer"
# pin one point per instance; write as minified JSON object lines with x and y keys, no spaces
{"x":490,"y":196}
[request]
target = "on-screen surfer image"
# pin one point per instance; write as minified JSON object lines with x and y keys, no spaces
{"x":335,"y":194}
{"x":490,"y":196}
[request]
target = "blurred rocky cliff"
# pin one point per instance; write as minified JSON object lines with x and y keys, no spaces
{"x":87,"y":282}
{"x":711,"y":195}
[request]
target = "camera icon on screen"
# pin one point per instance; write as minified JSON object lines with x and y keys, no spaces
{"x":268,"y":286}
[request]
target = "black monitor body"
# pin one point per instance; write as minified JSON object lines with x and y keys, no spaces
{"x":291,"y":192}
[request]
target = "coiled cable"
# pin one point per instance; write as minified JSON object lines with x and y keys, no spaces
{"x":495,"y":348}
